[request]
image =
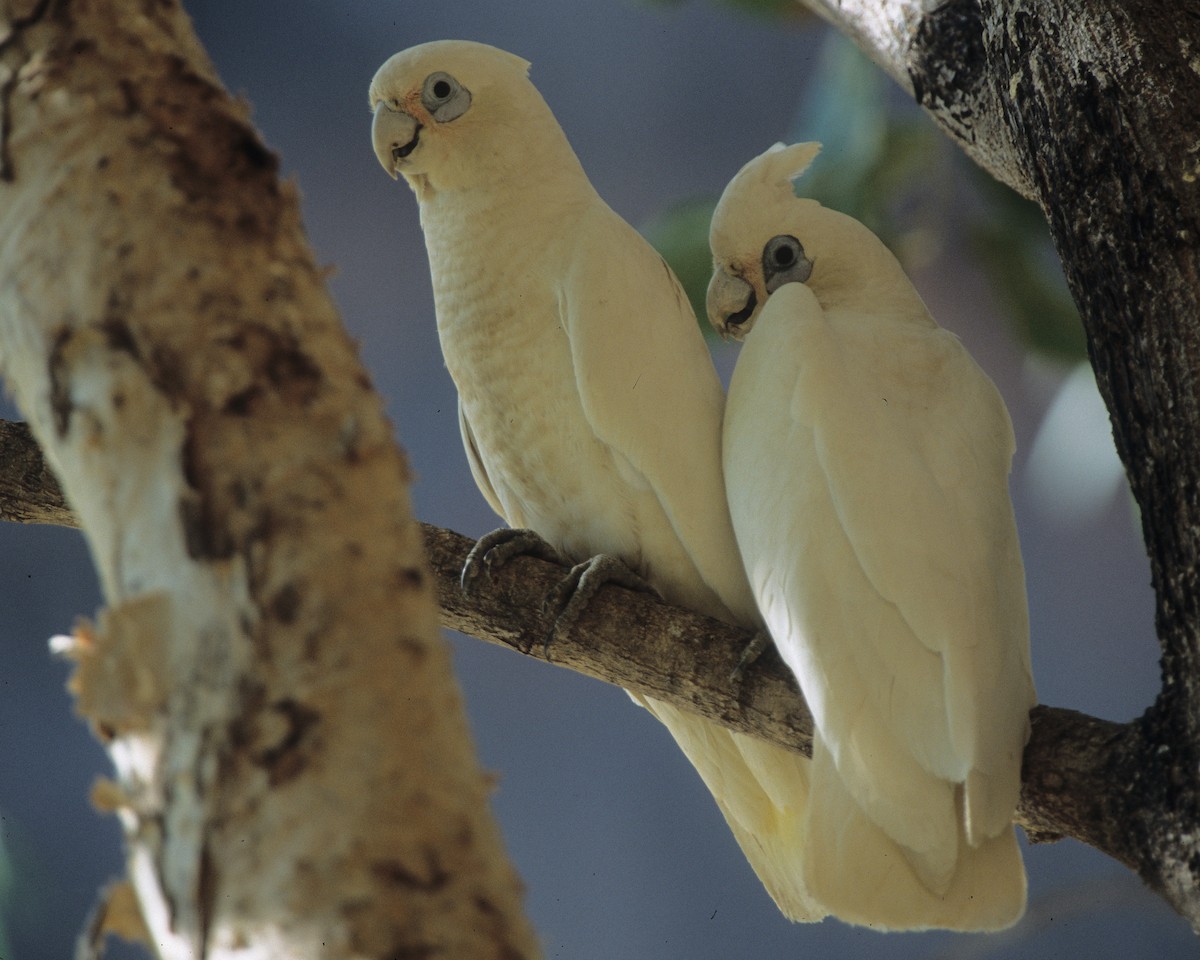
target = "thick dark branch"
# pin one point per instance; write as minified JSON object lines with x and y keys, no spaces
{"x":935,"y":53}
{"x":1102,"y":101}
{"x":639,"y":643}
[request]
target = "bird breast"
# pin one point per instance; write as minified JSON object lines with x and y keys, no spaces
{"x":510,"y":359}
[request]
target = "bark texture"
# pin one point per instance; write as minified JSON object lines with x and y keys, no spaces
{"x":934,"y":51}
{"x":29,"y":492}
{"x":1103,"y":112}
{"x":294,"y":772}
{"x":1091,"y":108}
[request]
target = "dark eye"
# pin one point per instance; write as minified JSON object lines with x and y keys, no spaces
{"x":783,"y":261}
{"x":444,"y":97}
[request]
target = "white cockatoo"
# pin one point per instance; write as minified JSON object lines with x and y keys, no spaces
{"x":866,"y":459}
{"x":588,"y":404}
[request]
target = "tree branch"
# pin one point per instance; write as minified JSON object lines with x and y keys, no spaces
{"x":1102,"y":100}
{"x":935,"y":52}
{"x":637,"y":642}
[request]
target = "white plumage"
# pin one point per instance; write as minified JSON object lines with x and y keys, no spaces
{"x":866,"y":457}
{"x":589,"y":407}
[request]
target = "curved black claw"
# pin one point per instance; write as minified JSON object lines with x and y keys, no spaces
{"x":493,"y":550}
{"x":574,"y":592}
{"x":754,"y":649}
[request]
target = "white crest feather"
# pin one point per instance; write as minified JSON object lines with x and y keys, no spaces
{"x":758,"y":193}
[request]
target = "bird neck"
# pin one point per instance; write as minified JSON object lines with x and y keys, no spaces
{"x":513,"y":187}
{"x":494,"y":247}
{"x":495,"y":221}
{"x":853,"y":269}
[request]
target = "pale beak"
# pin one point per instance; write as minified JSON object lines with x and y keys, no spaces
{"x":731,"y":302}
{"x":395,"y":134}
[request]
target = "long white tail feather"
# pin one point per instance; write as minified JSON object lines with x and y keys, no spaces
{"x":761,"y":790}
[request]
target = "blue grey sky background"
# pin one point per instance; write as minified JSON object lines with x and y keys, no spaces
{"x":622,"y":850}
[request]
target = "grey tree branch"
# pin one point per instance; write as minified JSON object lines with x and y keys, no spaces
{"x":637,"y":642}
{"x":1090,"y":107}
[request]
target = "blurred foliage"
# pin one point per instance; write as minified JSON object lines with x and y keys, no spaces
{"x":885,"y":163}
{"x":680,"y":234}
{"x":1013,"y":244}
{"x":880,"y":157}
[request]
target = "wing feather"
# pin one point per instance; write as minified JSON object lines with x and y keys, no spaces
{"x":475,"y":461}
{"x":666,"y":428}
{"x":915,"y":445}
{"x":884,"y":557}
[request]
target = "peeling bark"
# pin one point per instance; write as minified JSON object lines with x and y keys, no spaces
{"x":294,"y":772}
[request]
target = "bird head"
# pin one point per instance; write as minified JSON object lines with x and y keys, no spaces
{"x":754,"y":239}
{"x":430,"y":100}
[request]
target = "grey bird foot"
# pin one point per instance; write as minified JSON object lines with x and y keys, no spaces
{"x":754,"y":649}
{"x":575,"y":591}
{"x":495,"y":549}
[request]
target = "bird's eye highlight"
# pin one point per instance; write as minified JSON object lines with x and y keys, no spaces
{"x":444,"y":97}
{"x":783,"y":261}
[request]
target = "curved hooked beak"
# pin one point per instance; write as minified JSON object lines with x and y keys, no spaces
{"x":395,"y":134}
{"x":731,"y":302}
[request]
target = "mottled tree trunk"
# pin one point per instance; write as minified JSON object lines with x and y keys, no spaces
{"x":294,"y":772}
